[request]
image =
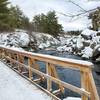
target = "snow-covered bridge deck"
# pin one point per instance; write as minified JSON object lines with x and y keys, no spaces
{"x":14,"y":87}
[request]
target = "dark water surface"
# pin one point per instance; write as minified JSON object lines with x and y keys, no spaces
{"x":67,"y":75}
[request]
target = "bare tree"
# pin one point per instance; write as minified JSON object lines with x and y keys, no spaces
{"x":83,"y":11}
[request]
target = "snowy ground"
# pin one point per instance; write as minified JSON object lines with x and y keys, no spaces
{"x":14,"y":87}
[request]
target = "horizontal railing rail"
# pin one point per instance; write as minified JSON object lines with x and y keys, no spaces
{"x":88,"y":89}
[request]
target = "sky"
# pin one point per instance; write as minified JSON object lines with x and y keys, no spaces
{"x":34,"y":7}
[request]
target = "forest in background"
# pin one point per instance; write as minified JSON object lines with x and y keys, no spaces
{"x":11,"y":18}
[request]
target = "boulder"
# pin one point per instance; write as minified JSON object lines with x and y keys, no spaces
{"x":88,"y":34}
{"x":79,"y":43}
{"x":87,"y":52}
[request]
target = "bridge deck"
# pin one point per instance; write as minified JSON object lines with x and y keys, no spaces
{"x":14,"y":87}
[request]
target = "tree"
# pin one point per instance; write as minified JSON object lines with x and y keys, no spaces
{"x":12,"y":17}
{"x":95,"y":16}
{"x":47,"y":23}
{"x":4,"y":15}
{"x":19,"y":20}
{"x":52,"y":24}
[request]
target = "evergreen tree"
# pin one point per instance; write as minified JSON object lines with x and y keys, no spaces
{"x":19,"y":20}
{"x":4,"y":15}
{"x":52,"y":24}
{"x":47,"y":23}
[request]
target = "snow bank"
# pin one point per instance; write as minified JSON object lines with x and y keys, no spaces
{"x":72,"y":98}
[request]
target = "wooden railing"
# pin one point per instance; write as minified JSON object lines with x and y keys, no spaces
{"x":16,"y":58}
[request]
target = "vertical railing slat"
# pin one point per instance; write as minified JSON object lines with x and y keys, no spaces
{"x":49,"y":83}
{"x":30,"y":62}
{"x":84,"y":84}
{"x":93,"y":90}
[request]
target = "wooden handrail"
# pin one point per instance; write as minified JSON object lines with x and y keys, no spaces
{"x":88,"y":89}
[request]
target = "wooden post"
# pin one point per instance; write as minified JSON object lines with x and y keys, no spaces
{"x":89,"y":85}
{"x":49,"y":83}
{"x":36,"y":66}
{"x":9,"y":54}
{"x":54,"y":74}
{"x":51,"y":70}
{"x":20,"y":59}
{"x":84,"y":84}
{"x":30,"y":62}
{"x":92,"y":87}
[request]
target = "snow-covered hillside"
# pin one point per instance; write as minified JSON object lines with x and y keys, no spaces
{"x":20,"y":38}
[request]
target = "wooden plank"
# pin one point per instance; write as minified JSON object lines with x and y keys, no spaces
{"x":20,"y":59}
{"x":37,"y":67}
{"x":93,"y":90}
{"x":84,"y":84}
{"x":57,"y":92}
{"x":54,"y":74}
{"x":49,"y":82}
{"x":30,"y":62}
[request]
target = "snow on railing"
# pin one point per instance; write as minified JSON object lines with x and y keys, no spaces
{"x":17,"y":58}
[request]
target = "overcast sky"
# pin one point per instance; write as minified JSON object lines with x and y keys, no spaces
{"x":33,"y":7}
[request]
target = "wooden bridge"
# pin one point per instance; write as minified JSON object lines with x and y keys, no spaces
{"x":16,"y":58}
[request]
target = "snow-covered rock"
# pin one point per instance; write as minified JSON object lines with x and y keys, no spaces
{"x":79,"y":43}
{"x":24,"y":39}
{"x":88,"y":34}
{"x":64,"y":48}
{"x":17,"y":39}
{"x":45,"y":40}
{"x":87,"y":52}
